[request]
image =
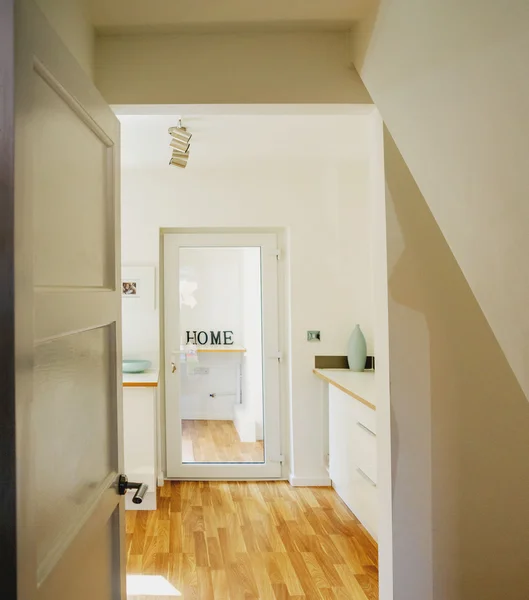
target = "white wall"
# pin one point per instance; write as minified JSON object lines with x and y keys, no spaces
{"x":220,"y":68}
{"x":459,"y":421}
{"x":450,"y":80}
{"x":306,"y":174}
{"x":382,"y":375}
{"x":70,"y":20}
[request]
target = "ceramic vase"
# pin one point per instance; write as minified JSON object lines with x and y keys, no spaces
{"x":357,"y":350}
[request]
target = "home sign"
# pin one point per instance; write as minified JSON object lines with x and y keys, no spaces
{"x":213,"y":338}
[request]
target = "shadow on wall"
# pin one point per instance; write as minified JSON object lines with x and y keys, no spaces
{"x":460,"y":421}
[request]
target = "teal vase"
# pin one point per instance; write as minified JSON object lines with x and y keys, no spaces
{"x":357,"y":350}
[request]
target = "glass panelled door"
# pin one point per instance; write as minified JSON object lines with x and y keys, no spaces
{"x":221,"y":345}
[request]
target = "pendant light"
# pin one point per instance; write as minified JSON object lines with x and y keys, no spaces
{"x":179,"y":145}
{"x":180,"y":139}
{"x":179,"y":159}
{"x":180,"y":133}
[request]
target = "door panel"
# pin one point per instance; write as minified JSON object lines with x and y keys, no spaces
{"x":87,"y":570}
{"x":74,"y":377}
{"x":68,"y":330}
{"x":80,"y":195}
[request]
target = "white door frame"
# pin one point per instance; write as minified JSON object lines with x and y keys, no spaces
{"x":272,"y":467}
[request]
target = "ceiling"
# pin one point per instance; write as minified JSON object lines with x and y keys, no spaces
{"x":229,"y":141}
{"x":159,"y":16}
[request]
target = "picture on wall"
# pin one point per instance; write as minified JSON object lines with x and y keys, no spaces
{"x":138,"y":283}
{"x":130,"y":288}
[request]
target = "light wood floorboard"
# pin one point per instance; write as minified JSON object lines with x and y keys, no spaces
{"x":248,"y":541}
{"x":217,"y":441}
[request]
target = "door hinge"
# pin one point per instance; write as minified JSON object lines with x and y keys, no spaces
{"x":280,"y":459}
{"x":277,"y":253}
{"x":278,"y":355}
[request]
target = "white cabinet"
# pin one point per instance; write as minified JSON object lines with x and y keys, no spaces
{"x":353,"y":456}
{"x":140,"y":423}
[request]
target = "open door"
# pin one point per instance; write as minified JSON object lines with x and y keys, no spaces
{"x":70,"y":516}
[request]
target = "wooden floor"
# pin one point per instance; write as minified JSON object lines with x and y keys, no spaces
{"x":247,"y":541}
{"x":217,"y":441}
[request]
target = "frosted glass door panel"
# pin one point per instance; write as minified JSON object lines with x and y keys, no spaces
{"x":221,"y":358}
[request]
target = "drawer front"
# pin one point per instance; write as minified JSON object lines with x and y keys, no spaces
{"x":366,"y":451}
{"x":366,"y":416}
{"x":361,"y":496}
{"x":366,"y":501}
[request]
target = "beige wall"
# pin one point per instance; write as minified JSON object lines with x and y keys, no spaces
{"x":457,"y":216}
{"x":69,"y":19}
{"x":460,"y":421}
{"x":450,"y":80}
{"x":228,"y":68}
{"x":159,"y":16}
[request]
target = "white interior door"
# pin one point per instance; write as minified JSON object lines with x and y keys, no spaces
{"x":222,"y":404}
{"x":67,"y":325}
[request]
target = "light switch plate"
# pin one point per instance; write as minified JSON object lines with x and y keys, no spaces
{"x":201,"y":371}
{"x":313,"y":336}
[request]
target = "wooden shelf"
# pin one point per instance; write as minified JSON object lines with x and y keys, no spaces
{"x":218,"y":349}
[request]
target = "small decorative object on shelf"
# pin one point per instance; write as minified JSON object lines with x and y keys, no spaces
{"x":357,"y":350}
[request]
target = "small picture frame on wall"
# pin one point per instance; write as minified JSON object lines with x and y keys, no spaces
{"x":130,"y":288}
{"x":138,"y":288}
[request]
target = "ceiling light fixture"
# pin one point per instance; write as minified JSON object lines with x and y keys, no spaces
{"x":180,"y":139}
{"x":179,"y":159}
{"x":180,"y":133}
{"x":179,"y":145}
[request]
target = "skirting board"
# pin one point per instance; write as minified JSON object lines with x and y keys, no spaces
{"x":309,"y":481}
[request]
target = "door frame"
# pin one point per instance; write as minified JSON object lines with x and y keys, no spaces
{"x":243,"y":472}
{"x":8,"y":489}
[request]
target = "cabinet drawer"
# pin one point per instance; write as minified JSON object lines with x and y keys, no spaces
{"x":353,"y":456}
{"x":361,"y":496}
{"x":365,"y":501}
{"x":366,"y":416}
{"x":365,"y":455}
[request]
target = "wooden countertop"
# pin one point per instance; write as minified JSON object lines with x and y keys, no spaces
{"x":147,"y":379}
{"x":360,"y":386}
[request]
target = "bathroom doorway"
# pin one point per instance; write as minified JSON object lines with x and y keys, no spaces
{"x":222,"y":355}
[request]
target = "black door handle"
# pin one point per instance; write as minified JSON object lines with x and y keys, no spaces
{"x":124,"y":484}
